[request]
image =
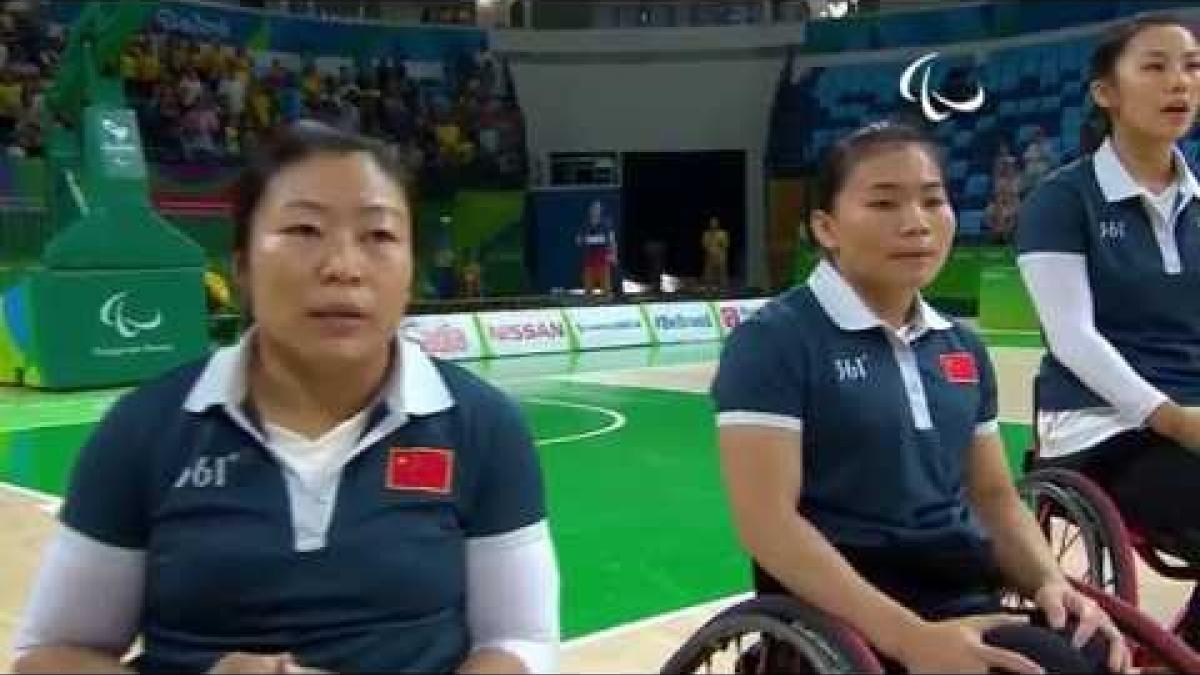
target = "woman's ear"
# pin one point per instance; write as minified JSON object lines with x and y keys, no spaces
{"x":824,"y":230}
{"x":1103,"y":95}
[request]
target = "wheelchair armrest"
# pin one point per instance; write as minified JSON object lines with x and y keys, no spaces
{"x":1142,"y":629}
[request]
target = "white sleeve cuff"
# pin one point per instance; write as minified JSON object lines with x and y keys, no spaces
{"x":513,"y":595}
{"x":745,"y":418}
{"x":538,"y":657}
{"x":988,"y":428}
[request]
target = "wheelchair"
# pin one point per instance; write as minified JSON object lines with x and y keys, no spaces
{"x":781,"y":634}
{"x":775,"y":633}
{"x":1092,"y":543}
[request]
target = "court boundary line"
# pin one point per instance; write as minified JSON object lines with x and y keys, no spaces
{"x":646,"y":622}
{"x":44,"y":501}
{"x":616,"y":423}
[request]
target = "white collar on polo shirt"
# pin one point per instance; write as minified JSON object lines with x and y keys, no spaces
{"x":414,"y":386}
{"x":848,"y":311}
{"x":1117,"y":185}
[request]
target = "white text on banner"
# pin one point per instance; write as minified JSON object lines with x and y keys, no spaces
{"x":448,"y":336}
{"x":614,"y":326}
{"x":516,"y":332}
{"x":682,"y":321}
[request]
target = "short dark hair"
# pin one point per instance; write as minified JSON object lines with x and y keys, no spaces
{"x":1113,"y":43}
{"x":841,"y":158}
{"x":296,"y":143}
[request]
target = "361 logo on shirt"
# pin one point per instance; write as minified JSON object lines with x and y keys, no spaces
{"x":1112,"y":229}
{"x":852,"y":369}
{"x":207,"y":472}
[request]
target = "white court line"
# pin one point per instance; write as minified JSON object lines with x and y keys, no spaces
{"x":47,"y":503}
{"x":617,"y":420}
{"x":640,"y":624}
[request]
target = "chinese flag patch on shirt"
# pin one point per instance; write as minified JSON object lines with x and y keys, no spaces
{"x":422,"y":469}
{"x":959,"y":368}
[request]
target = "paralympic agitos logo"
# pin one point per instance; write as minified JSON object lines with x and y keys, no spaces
{"x":944,"y":107}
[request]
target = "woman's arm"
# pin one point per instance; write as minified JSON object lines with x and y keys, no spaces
{"x":83,"y":612}
{"x":1023,"y":555}
{"x":512,"y":602}
{"x":1021,"y":551}
{"x":1059,"y":286}
{"x":762,"y":467}
{"x":763,"y":475}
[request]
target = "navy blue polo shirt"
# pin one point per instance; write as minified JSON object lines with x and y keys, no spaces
{"x":886,"y":419}
{"x":235,"y":558}
{"x":1143,"y":270}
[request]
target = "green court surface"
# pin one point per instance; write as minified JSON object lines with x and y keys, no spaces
{"x":636,"y":504}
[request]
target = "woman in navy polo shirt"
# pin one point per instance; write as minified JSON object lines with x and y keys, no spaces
{"x":322,"y":495}
{"x":860,"y":445}
{"x":1109,"y":247}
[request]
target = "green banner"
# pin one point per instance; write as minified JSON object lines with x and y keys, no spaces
{"x":112,"y":327}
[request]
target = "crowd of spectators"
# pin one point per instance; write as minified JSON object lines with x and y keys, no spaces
{"x":202,"y":101}
{"x":199,"y":100}
{"x":29,"y":53}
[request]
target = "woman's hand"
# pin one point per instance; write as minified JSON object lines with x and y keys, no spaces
{"x":957,"y":646}
{"x":241,"y":663}
{"x":1059,"y":601}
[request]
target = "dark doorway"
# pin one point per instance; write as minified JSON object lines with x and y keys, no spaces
{"x":668,"y":197}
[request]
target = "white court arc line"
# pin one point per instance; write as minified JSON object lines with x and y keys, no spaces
{"x":47,"y":503}
{"x":616,"y":420}
{"x":650,"y":621}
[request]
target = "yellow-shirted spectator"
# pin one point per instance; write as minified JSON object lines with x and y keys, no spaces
{"x":10,"y":97}
{"x":217,"y":291}
{"x":449,"y":135}
{"x":149,"y":69}
{"x":227,"y":61}
{"x":260,"y":109}
{"x":129,"y":63}
{"x":452,"y":141}
{"x":208,"y":60}
{"x":310,"y":86}
{"x":242,"y":65}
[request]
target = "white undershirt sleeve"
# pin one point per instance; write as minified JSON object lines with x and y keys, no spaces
{"x":87,"y":594}
{"x":1058,"y":284}
{"x":512,"y":596}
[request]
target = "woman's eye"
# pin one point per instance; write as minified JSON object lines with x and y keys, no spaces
{"x":302,"y":230}
{"x":882,"y":204}
{"x":383,"y":236}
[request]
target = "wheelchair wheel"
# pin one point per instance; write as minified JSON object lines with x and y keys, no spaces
{"x":771,"y":634}
{"x":1084,"y":530}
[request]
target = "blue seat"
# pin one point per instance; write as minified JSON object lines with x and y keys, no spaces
{"x":970,"y":222}
{"x":978,"y":185}
{"x":1024,"y":134}
{"x":957,"y":170}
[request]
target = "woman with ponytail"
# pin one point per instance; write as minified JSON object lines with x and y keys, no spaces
{"x":1109,"y":248}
